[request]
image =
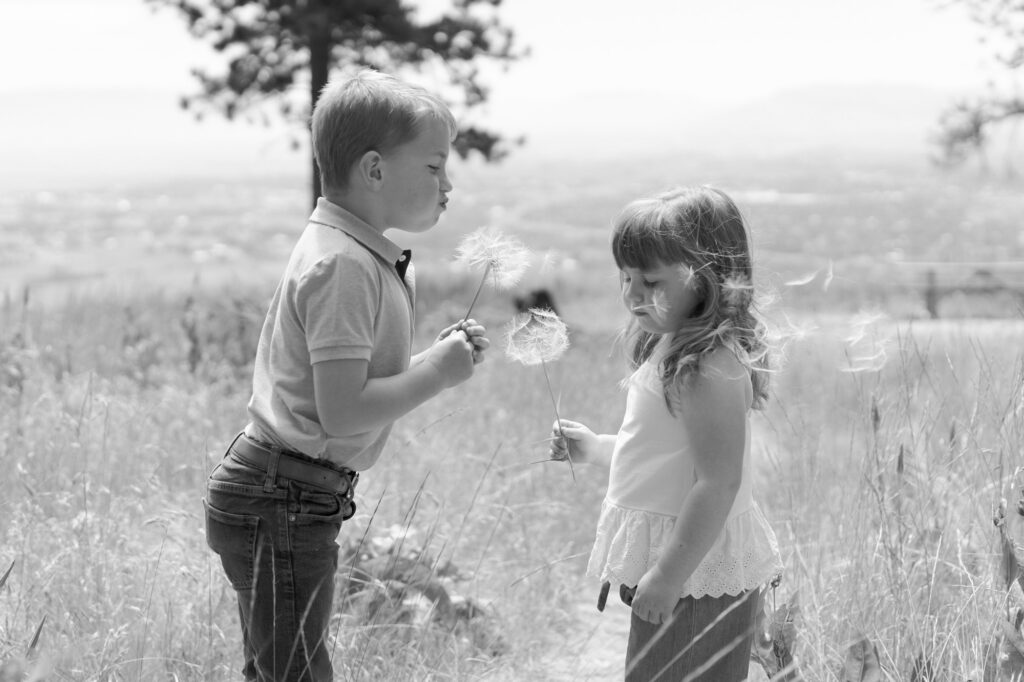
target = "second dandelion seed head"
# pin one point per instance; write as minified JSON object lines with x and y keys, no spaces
{"x":536,"y":336}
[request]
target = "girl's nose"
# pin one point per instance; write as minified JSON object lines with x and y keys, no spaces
{"x":634,"y":293}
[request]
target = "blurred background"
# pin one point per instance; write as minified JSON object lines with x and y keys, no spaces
{"x":834,"y":123}
{"x":155,"y":173}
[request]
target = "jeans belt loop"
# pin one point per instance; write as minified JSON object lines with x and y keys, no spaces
{"x":233,"y":441}
{"x":275,"y":457}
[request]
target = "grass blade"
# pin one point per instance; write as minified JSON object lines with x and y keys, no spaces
{"x":35,"y":637}
{"x":7,"y":573}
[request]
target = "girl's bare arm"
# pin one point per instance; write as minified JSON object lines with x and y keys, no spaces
{"x":713,"y":409}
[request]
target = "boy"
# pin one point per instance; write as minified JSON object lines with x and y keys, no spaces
{"x":333,"y":370}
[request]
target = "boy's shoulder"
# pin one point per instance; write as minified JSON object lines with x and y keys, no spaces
{"x":323,"y":248}
{"x":333,"y":231}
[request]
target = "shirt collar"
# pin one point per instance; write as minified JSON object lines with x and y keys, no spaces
{"x":332,"y":215}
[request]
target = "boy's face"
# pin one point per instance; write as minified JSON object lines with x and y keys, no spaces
{"x":416,"y":183}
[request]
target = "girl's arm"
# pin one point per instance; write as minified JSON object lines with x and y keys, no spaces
{"x":713,"y":409}
{"x":579,"y":442}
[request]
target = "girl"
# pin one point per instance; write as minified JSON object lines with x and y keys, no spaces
{"x":679,"y":531}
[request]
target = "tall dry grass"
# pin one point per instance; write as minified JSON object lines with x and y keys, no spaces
{"x":881,"y":459}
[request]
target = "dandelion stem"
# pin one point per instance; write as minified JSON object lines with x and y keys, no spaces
{"x":558,"y":419}
{"x":483,"y":279}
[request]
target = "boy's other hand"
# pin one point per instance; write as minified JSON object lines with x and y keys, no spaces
{"x":452,"y":357}
{"x":474,"y":331}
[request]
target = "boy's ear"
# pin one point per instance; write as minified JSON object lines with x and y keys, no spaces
{"x":369,"y":170}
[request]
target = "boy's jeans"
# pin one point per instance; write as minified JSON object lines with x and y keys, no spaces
{"x":279,"y":551}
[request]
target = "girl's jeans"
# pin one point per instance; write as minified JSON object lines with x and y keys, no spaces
{"x":679,"y":648}
{"x":277,"y":542}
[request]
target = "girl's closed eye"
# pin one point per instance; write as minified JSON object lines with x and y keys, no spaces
{"x":644,"y":282}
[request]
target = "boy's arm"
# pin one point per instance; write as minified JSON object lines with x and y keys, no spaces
{"x":348,"y":403}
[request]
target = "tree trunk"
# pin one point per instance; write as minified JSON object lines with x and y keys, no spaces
{"x":319,"y":67}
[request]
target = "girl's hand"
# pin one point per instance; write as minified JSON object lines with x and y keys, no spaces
{"x":656,"y":597}
{"x":474,"y":333}
{"x":573,"y":440}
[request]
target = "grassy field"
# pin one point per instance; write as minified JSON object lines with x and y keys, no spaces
{"x":884,"y":451}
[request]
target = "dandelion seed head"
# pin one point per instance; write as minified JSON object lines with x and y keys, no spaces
{"x":536,"y":336}
{"x":505,"y":257}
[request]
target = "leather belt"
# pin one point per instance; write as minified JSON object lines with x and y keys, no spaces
{"x":289,"y":466}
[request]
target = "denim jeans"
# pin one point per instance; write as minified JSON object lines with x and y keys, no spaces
{"x":679,"y":649}
{"x":277,"y":541}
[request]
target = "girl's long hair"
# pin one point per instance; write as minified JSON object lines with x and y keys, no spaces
{"x":702,"y":229}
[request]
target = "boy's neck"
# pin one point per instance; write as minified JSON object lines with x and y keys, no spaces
{"x":360,"y":205}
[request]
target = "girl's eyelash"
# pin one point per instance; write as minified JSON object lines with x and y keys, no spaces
{"x":647,"y":283}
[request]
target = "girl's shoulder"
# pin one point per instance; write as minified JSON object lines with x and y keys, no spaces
{"x":723,"y":373}
{"x":722,"y":363}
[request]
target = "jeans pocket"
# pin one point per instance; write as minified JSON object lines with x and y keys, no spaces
{"x":234,"y":537}
{"x":317,"y":518}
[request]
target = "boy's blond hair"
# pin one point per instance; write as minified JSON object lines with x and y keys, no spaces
{"x":371,"y":111}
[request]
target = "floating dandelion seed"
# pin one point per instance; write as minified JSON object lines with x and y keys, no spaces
{"x":538,"y":337}
{"x":658,"y":307}
{"x":801,"y":281}
{"x":504,"y":258}
{"x":867,"y":363}
{"x":735,"y":289}
{"x":548,"y":262}
{"x":859,"y":325}
{"x":829,"y":274}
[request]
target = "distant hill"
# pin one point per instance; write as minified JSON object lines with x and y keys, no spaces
{"x":51,"y":139}
{"x":72,"y":138}
{"x":889,"y":119}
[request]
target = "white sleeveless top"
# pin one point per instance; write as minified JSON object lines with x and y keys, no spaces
{"x":651,"y":473}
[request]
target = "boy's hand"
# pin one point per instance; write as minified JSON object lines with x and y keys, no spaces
{"x":452,"y":357}
{"x":572,"y":440}
{"x":474,"y":332}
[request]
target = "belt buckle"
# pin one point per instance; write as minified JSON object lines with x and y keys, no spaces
{"x":350,"y":489}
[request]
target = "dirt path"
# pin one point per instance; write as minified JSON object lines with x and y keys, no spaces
{"x":596,"y":650}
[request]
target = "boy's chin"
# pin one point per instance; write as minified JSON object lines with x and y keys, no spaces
{"x":416,"y":227}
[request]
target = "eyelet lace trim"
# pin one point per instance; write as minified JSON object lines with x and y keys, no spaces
{"x":744,"y":557}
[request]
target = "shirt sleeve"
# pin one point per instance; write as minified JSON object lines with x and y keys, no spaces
{"x":337,"y":301}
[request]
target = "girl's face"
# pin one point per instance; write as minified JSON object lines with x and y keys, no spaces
{"x":660,"y":298}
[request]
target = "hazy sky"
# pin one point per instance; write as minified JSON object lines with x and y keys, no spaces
{"x":103,"y":83}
